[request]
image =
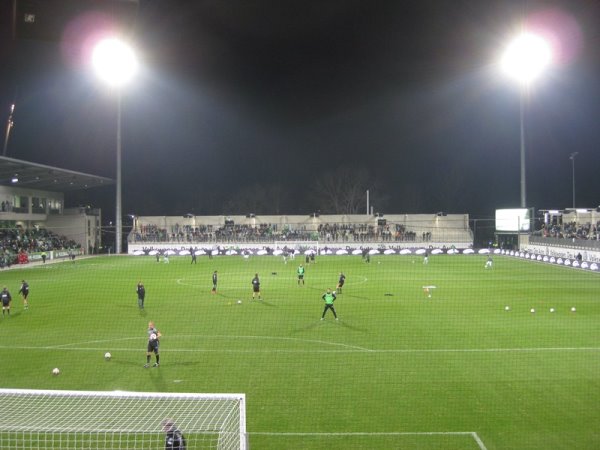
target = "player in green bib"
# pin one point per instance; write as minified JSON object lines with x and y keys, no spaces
{"x":329,"y":297}
{"x":300,"y":272}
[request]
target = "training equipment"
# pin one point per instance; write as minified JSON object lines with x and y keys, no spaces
{"x":56,"y":371}
{"x":44,"y":419}
{"x":107,"y":356}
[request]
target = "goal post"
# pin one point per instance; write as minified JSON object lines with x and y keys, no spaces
{"x":47,"y":419}
{"x":299,"y":246}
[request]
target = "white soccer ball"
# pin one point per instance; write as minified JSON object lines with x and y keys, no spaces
{"x":551,"y":310}
{"x":507,"y":308}
{"x":107,"y":356}
{"x":239,"y":302}
{"x":56,"y":371}
{"x":573,"y":309}
{"x":532,"y":310}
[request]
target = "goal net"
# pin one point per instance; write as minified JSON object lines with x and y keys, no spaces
{"x":299,"y":247}
{"x":40,"y":419}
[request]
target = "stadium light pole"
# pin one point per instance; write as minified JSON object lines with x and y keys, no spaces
{"x":115,"y":63}
{"x":572,"y":158}
{"x":524,"y":59}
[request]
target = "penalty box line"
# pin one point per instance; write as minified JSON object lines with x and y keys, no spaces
{"x":473,"y":434}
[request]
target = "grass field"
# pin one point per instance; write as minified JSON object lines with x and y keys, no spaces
{"x":398,"y":370}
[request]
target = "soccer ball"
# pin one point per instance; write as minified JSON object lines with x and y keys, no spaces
{"x":107,"y":356}
{"x":507,"y":308}
{"x":239,"y":302}
{"x":573,"y":309}
{"x":551,"y":310}
{"x":55,"y":371}
{"x":532,"y":310}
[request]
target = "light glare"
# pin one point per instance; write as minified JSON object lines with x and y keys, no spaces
{"x":114,"y":61}
{"x":526,"y":57}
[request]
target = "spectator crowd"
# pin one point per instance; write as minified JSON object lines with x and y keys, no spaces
{"x":230,"y":232}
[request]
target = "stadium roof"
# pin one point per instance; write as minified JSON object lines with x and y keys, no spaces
{"x":46,"y":178}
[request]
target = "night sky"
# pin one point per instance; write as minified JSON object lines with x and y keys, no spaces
{"x":247,"y":106}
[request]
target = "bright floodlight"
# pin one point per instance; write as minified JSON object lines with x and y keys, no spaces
{"x":526,"y":57}
{"x":114,"y":61}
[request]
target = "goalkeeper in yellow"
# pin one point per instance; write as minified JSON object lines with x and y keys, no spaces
{"x":329,"y":297}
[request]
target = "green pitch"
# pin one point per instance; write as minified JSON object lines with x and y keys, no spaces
{"x":399,"y":369}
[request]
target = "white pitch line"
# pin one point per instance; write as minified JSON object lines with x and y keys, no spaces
{"x":479,"y":441}
{"x":473,"y":434}
{"x":291,"y":351}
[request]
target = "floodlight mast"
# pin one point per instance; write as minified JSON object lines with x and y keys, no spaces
{"x":115,"y":63}
{"x":572,"y":158}
{"x":524,"y":59}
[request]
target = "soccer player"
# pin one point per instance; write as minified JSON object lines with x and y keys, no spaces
{"x":6,"y":299}
{"x":300,"y":272}
{"x":329,"y":297}
{"x":341,"y":282}
{"x":153,"y":342}
{"x":193,"y":253}
{"x":426,"y":257}
{"x":141,"y":294}
{"x":174,"y":437}
{"x":256,"y":287}
{"x":24,"y":291}
{"x":489,"y":263}
{"x":215,"y":279}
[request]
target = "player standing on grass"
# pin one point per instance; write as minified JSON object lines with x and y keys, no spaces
{"x":153,"y":343}
{"x":329,"y":297}
{"x":24,"y":291}
{"x":215,"y":280}
{"x":256,"y":287}
{"x":6,"y":299}
{"x":489,"y":263}
{"x":141,"y":294}
{"x":300,"y":272}
{"x":341,"y":282}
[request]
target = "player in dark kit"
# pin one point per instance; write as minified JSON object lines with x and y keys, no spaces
{"x":341,"y":282}
{"x":174,"y":437}
{"x":193,"y":253}
{"x":153,"y":343}
{"x":24,"y":291}
{"x":255,"y":287}
{"x":329,"y":297}
{"x":215,"y":280}
{"x":141,"y":294}
{"x":6,"y":299}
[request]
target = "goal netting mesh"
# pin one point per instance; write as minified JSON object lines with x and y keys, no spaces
{"x":38,"y":419}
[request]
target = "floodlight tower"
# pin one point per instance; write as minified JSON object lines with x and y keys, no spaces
{"x":115,"y":63}
{"x":572,"y":158}
{"x":524,"y":59}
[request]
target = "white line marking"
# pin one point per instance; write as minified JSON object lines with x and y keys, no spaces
{"x":473,"y":434}
{"x":479,"y":441}
{"x":277,"y":351}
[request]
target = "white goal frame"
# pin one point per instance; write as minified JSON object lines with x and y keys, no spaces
{"x":47,"y":419}
{"x":298,"y":245}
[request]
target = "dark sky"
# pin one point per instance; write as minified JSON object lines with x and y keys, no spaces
{"x":264,"y":98}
